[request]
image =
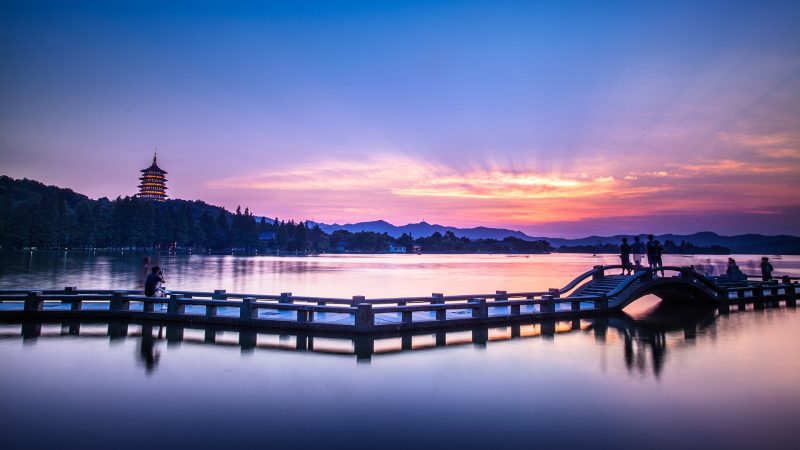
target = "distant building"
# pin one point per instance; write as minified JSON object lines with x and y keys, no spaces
{"x":397,"y":248}
{"x":153,"y":182}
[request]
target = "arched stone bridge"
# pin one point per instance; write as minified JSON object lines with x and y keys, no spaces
{"x":684,"y":284}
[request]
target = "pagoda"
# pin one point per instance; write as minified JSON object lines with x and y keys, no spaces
{"x":153,"y":183}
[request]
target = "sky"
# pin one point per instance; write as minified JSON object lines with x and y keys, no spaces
{"x":560,"y":119}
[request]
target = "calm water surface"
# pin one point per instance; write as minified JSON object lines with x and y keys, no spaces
{"x":656,"y":377}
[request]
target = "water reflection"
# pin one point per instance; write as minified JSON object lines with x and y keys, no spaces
{"x":326,"y":275}
{"x":644,"y":339}
{"x":149,"y":354}
{"x":649,"y":332}
{"x":652,"y":377}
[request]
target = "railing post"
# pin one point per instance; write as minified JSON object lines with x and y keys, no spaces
{"x":219,"y":294}
{"x":303,"y":315}
{"x":34,"y":302}
{"x":601,"y":303}
{"x":773,"y":293}
{"x":554,"y":292}
{"x":575,"y":305}
{"x":174,"y":306}
{"x":286,"y":297}
{"x":357,"y":299}
{"x":758,"y":297}
{"x":365,"y":318}
{"x":75,"y":305}
{"x":118,"y":302}
{"x":600,"y":274}
{"x":548,"y":306}
{"x":247,"y":340}
{"x":548,"y":329}
{"x":742,"y":305}
{"x":363,"y":347}
{"x":247,"y":310}
{"x":791,"y":294}
{"x":480,"y":336}
{"x":406,"y":316}
{"x":479,"y":308}
{"x":687,"y":273}
{"x":441,"y":314}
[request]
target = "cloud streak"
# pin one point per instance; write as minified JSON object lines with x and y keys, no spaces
{"x":395,"y":187}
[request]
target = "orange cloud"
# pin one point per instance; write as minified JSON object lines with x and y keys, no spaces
{"x":401,"y":189}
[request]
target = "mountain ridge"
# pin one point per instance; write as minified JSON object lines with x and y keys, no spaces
{"x":744,"y":243}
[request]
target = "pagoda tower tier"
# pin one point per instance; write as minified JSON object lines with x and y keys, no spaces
{"x":153,"y":182}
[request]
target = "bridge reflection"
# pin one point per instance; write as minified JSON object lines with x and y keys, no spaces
{"x":644,"y":338}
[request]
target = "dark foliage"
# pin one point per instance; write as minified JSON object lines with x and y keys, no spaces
{"x":684,"y":248}
{"x":48,"y":217}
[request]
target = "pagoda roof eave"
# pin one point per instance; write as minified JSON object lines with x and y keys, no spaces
{"x":154,"y":168}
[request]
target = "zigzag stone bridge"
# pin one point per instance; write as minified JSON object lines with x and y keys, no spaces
{"x":590,"y":294}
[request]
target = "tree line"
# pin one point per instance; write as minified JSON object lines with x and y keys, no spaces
{"x":48,"y":217}
{"x":684,"y":248}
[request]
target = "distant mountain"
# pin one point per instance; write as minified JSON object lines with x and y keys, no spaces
{"x":745,"y":243}
{"x":425,"y":229}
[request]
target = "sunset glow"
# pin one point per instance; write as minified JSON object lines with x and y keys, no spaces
{"x":557,"y":120}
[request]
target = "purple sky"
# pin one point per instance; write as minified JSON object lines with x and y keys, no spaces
{"x":564,"y":119}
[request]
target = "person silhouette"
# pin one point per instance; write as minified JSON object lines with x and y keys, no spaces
{"x":638,"y":250}
{"x":152,"y":286}
{"x":659,"y":251}
{"x":766,"y":269}
{"x":651,"y":251}
{"x":625,"y":256}
{"x":733,"y":272}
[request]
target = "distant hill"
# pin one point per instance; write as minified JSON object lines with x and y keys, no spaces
{"x":36,"y":215}
{"x":424,"y":229}
{"x":745,"y":243}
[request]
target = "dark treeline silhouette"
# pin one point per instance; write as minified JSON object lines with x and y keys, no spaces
{"x":367,"y":241}
{"x":684,"y":248}
{"x":47,"y":217}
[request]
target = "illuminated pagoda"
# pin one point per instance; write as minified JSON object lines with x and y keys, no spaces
{"x":153,"y":183}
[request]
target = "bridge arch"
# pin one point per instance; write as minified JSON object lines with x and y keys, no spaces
{"x":673,"y":289}
{"x":676,"y":284}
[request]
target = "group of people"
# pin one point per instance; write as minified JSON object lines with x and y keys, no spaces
{"x":654,"y":252}
{"x":652,"y":249}
{"x":734,"y":274}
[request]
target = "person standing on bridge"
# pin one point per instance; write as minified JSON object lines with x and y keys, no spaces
{"x":651,"y":251}
{"x":766,"y":269}
{"x":659,"y":251}
{"x":638,"y":250}
{"x":625,"y":256}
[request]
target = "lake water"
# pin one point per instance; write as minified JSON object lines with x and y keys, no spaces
{"x":655,"y":377}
